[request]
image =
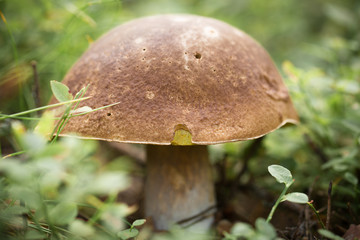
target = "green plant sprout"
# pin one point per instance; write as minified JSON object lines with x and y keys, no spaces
{"x":283,"y":175}
{"x":263,"y":229}
{"x":132,"y":231}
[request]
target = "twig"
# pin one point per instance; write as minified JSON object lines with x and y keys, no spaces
{"x":316,"y":213}
{"x":307,"y":213}
{"x":328,"y":214}
{"x":36,"y":88}
{"x":208,"y":212}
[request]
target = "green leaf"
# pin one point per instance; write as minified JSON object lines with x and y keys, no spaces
{"x":242,"y":230}
{"x":128,"y":233}
{"x":63,"y":213}
{"x":109,"y":182}
{"x":33,"y":234}
{"x":281,"y":174}
{"x":113,"y":215}
{"x":353,"y":126}
{"x":80,"y":228}
{"x":46,"y":124}
{"x":351,"y":178}
{"x":329,"y":234}
{"x":60,"y":91}
{"x":296,"y":197}
{"x":138,"y":222}
{"x":33,"y":143}
{"x":228,"y":236}
{"x":265,"y":228}
{"x":29,"y":195}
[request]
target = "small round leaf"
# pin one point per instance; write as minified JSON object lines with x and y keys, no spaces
{"x":242,"y":230}
{"x":139,"y":222}
{"x":329,"y":234}
{"x":296,"y":197}
{"x":60,"y":91}
{"x":63,"y":213}
{"x":265,"y":228}
{"x":281,"y":174}
{"x":128,"y":233}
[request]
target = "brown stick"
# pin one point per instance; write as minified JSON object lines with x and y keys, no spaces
{"x":328,"y":214}
{"x":36,"y":88}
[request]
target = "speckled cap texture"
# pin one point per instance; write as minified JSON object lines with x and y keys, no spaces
{"x":178,"y":71}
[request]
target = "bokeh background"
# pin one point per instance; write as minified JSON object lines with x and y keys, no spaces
{"x":56,"y":33}
{"x":315,"y":44}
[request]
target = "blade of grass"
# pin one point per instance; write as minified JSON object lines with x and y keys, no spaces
{"x":66,"y":115}
{"x":13,"y":154}
{"x":56,"y":118}
{"x":24,"y":92}
{"x":47,"y":216}
{"x":12,"y":39}
{"x":42,"y":108}
{"x":99,"y":212}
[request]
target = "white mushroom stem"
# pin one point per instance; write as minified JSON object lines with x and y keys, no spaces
{"x":179,"y":186}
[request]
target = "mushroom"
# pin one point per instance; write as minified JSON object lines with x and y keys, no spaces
{"x":184,"y":82}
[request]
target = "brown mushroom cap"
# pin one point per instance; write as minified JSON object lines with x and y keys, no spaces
{"x":173,"y":72}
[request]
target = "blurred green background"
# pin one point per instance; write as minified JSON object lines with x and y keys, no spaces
{"x":315,"y":44}
{"x":56,"y":33}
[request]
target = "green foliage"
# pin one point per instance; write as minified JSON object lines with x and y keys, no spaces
{"x":51,"y":185}
{"x":132,"y":231}
{"x":283,"y":175}
{"x":329,"y":235}
{"x":178,"y":233}
{"x":262,"y":231}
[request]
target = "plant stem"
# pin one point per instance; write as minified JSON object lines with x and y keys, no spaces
{"x":328,"y":213}
{"x":13,"y":154}
{"x":66,"y":115}
{"x":317,"y":214}
{"x":276,"y":204}
{"x":101,"y":209}
{"x":36,"y":87}
{"x":42,"y":108}
{"x":51,"y":226}
{"x":4,"y":116}
{"x":12,"y":39}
